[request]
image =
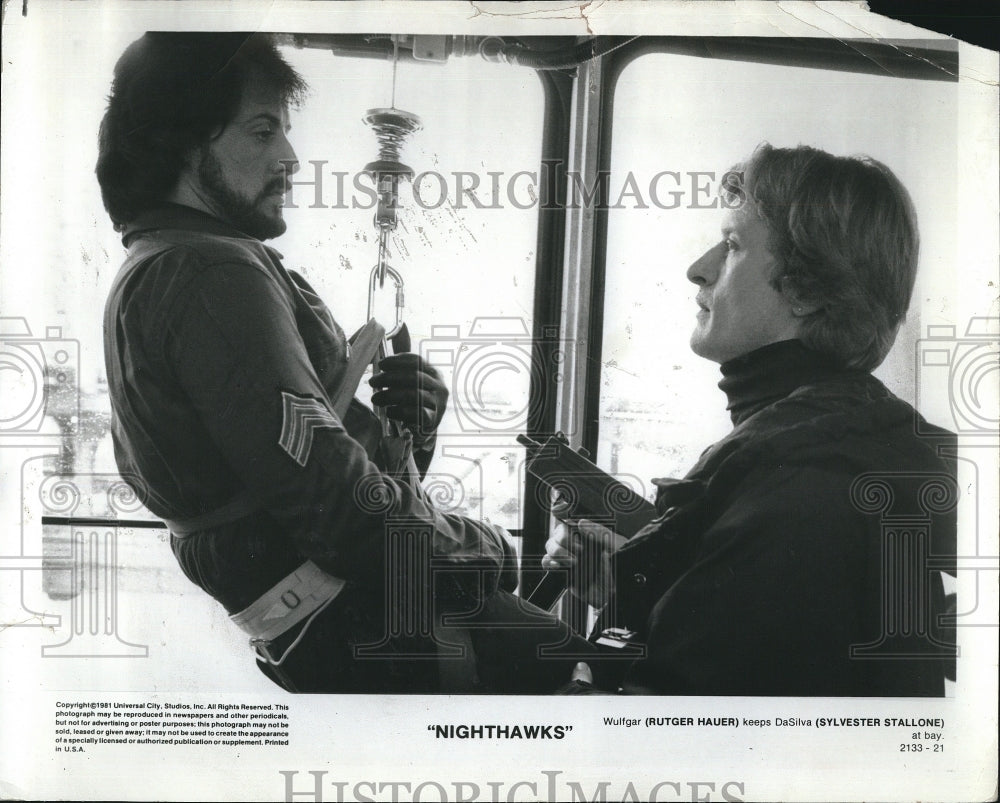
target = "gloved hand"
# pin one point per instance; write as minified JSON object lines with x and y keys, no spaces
{"x":412,"y":392}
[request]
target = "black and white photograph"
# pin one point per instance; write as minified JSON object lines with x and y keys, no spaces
{"x":497,"y":401}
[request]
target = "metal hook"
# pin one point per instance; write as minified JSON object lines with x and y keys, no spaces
{"x":379,"y":271}
{"x":383,"y":246}
{"x":391,"y":126}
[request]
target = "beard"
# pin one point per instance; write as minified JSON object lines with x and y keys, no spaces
{"x":246,"y":214}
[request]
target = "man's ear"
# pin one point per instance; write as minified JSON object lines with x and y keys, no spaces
{"x":801,"y":308}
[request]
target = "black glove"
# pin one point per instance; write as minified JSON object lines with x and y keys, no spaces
{"x":413,"y":393}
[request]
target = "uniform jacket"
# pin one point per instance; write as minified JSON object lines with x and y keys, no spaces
{"x":780,"y":564}
{"x":221,"y":368}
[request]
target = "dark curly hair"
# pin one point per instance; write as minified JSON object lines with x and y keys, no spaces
{"x":844,"y":231}
{"x":173,"y":92}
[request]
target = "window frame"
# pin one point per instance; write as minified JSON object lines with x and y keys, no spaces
{"x":912,"y":61}
{"x":909,"y":59}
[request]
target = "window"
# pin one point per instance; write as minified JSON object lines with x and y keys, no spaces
{"x":468,"y":270}
{"x":695,"y":118}
{"x":465,"y":251}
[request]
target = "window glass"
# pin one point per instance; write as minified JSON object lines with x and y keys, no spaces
{"x":466,"y":254}
{"x":688,"y":121}
{"x":468,"y":271}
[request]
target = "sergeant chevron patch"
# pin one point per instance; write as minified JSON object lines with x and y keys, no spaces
{"x":301,"y":417}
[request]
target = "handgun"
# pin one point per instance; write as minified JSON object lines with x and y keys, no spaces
{"x":588,"y":492}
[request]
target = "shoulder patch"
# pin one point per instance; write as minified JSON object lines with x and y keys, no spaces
{"x":301,"y":417}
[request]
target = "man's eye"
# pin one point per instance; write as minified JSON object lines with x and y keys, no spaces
{"x":264,"y":135}
{"x":730,"y":245}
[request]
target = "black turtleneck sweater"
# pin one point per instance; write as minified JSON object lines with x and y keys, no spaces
{"x":756,"y":380}
{"x":766,"y":571}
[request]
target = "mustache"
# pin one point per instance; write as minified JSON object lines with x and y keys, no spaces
{"x":277,"y":185}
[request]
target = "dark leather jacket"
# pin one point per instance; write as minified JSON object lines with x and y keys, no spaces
{"x":221,"y":367}
{"x":800,"y":555}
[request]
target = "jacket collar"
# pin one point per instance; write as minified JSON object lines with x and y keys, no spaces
{"x":762,"y":377}
{"x":184,"y":218}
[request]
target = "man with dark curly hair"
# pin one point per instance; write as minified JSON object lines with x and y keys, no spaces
{"x":225,"y":371}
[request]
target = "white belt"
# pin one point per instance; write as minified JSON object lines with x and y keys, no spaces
{"x":304,"y":592}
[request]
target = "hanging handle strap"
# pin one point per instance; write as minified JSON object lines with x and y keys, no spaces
{"x":364,"y":346}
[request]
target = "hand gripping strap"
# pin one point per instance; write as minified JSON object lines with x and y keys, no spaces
{"x":364,"y":346}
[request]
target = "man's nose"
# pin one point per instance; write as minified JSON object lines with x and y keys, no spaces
{"x":705,"y":270}
{"x":288,"y":159}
